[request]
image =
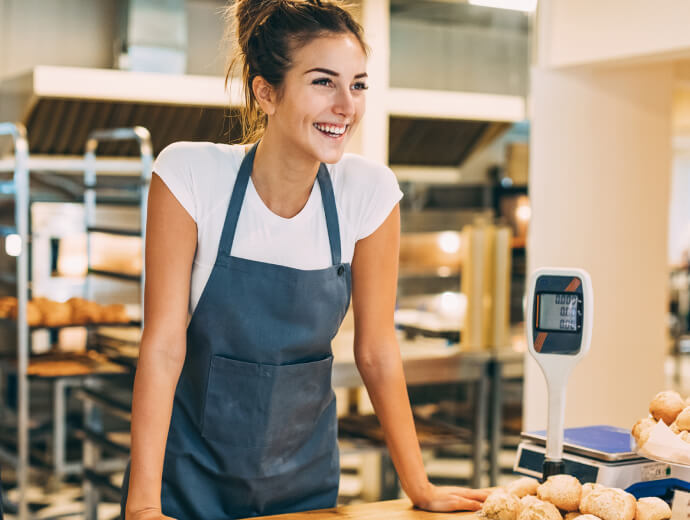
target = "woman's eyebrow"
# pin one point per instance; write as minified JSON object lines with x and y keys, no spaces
{"x":334,"y":73}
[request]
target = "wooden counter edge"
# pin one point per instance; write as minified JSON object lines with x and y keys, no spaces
{"x":389,"y":510}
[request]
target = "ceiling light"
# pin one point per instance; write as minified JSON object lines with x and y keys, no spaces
{"x":516,"y":5}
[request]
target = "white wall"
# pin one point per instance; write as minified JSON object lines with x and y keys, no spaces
{"x":82,"y":33}
{"x":575,"y":32}
{"x":599,"y":188}
{"x":464,"y":58}
{"x":55,"y":32}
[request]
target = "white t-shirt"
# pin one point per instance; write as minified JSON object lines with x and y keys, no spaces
{"x":202,"y":175}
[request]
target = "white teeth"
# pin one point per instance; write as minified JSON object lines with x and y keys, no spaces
{"x":331,"y":129}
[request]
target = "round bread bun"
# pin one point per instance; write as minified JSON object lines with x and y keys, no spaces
{"x":523,"y":486}
{"x":114,"y":313}
{"x":527,"y":501}
{"x":674,"y":428}
{"x":501,"y":505}
{"x":683,"y":420}
{"x":641,"y":430}
{"x":56,"y":314}
{"x":34,"y":316}
{"x":572,"y":516}
{"x":666,"y":406}
{"x":609,"y":504}
{"x":563,"y":491}
{"x":652,"y":508}
{"x":586,"y":517}
{"x":540,"y":511}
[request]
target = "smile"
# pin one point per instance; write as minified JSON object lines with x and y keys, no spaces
{"x":332,"y":131}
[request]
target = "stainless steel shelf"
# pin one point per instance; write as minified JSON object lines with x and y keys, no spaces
{"x":114,"y":231}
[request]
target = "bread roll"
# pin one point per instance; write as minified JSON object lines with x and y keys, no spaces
{"x":666,"y":406}
{"x":652,"y":508}
{"x":641,"y":430}
{"x":586,"y":517}
{"x":115,"y":313}
{"x":501,"y":505}
{"x":34,"y":317}
{"x":572,"y":516}
{"x":563,"y":491}
{"x":84,"y":311}
{"x":609,"y":504}
{"x":682,"y":422}
{"x":56,"y":314}
{"x":523,"y":486}
{"x":7,"y":303}
{"x":528,"y":500}
{"x":540,"y":511}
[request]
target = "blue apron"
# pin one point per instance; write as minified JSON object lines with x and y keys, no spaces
{"x":254,"y":428}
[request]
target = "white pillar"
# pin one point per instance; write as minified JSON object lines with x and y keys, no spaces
{"x":599,"y":189}
{"x":372,"y":137}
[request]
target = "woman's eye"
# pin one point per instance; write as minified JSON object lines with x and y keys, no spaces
{"x":322,"y":81}
{"x":360,"y":85}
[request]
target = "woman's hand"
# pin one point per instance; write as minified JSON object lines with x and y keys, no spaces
{"x":443,"y":499}
{"x":150,"y":513}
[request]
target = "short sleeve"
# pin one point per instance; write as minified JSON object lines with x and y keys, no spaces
{"x":384,"y":194}
{"x":173,"y":167}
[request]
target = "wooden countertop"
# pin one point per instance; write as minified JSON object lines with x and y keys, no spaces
{"x":389,"y":510}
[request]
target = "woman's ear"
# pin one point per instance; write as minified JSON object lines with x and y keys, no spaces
{"x":265,"y":95}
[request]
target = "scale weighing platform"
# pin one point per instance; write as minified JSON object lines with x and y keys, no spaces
{"x":603,"y":454}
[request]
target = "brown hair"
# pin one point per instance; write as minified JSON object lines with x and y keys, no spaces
{"x":267,"y":33}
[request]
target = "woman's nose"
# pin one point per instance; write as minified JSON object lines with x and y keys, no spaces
{"x":345,"y":105}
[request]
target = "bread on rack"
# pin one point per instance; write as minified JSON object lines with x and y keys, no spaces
{"x":54,"y":314}
{"x":7,"y":303}
{"x":85,"y":311}
{"x":34,"y":317}
{"x":75,"y":311}
{"x":114,"y":313}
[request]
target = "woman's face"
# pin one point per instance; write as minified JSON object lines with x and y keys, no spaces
{"x":322,"y":98}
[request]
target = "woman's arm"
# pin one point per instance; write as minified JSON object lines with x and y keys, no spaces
{"x":374,"y":283}
{"x":170,"y":247}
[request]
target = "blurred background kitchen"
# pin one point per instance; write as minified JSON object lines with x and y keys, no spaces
{"x":570,"y":120}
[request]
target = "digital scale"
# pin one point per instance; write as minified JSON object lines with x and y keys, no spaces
{"x":559,"y":331}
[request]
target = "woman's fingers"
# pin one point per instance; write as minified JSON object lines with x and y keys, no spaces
{"x":474,"y":494}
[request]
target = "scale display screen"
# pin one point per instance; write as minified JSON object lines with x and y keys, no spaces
{"x":559,"y":312}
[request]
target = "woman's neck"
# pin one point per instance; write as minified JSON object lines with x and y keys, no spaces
{"x":282,"y":178}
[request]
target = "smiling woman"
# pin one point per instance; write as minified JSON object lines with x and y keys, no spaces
{"x":265,"y":246}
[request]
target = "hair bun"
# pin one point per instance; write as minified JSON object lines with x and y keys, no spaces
{"x":248,"y":15}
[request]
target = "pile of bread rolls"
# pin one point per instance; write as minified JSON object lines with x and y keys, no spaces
{"x":667,"y":406}
{"x":562,"y":497}
{"x":42,"y":312}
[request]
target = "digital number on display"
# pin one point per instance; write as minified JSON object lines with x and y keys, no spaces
{"x":558,"y":312}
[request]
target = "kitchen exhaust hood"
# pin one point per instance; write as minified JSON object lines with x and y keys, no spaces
{"x":60,"y":106}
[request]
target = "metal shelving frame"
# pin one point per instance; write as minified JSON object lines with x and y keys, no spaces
{"x":95,"y":483}
{"x":20,"y":188}
{"x":21,"y":164}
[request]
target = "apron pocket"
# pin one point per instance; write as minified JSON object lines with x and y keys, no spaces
{"x":254,"y":405}
{"x":300,"y":395}
{"x":231,"y":408}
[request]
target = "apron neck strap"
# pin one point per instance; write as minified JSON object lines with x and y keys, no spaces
{"x":232,"y":216}
{"x":328,"y":200}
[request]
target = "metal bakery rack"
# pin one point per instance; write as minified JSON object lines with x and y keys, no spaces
{"x":25,"y":366}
